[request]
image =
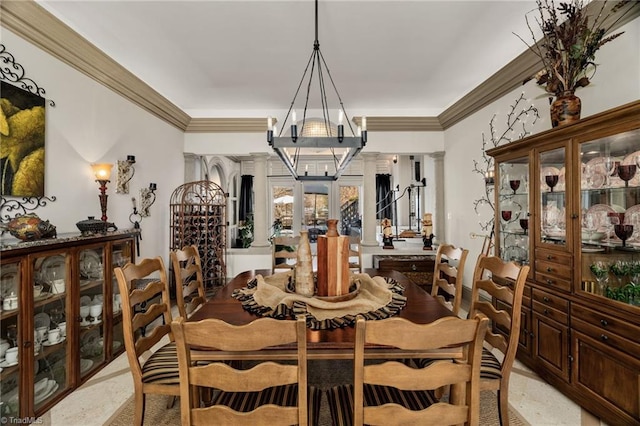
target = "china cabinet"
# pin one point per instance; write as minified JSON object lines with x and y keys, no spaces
{"x":66,"y":324}
{"x":577,"y":189}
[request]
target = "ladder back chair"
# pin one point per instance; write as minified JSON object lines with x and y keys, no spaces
{"x":448,"y":276}
{"x":284,"y":253}
{"x":504,"y":284}
{"x":187,"y":271}
{"x":159,"y":373}
{"x":355,"y":254}
{"x":393,"y":392}
{"x":265,"y":394}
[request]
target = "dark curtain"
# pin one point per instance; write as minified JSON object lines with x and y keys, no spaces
{"x":384,"y":197}
{"x":246,"y":197}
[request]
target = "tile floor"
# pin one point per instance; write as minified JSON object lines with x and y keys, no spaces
{"x":96,"y":401}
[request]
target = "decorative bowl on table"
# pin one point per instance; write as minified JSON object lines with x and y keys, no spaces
{"x":91,"y":226}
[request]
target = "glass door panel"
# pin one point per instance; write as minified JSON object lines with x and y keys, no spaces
{"x":121,"y":254}
{"x":350,"y":217}
{"x":282,"y":212}
{"x":316,"y":208}
{"x":513,"y":210}
{"x":51,"y":310}
{"x":92,"y":302}
{"x":610,"y":217}
{"x":553,"y":212}
{"x":10,"y":356}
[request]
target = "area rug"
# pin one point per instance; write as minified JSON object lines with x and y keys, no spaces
{"x":322,"y":374}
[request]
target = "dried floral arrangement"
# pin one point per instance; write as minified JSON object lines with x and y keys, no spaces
{"x":571,"y":36}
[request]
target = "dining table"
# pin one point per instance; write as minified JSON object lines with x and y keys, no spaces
{"x":336,"y":343}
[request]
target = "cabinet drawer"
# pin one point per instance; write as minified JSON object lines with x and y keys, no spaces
{"x":549,"y":300}
{"x":554,"y":282}
{"x":405,"y":263}
{"x":554,"y":257}
{"x":606,"y":337}
{"x":554,"y":269}
{"x":554,"y":314}
{"x":606,"y":323}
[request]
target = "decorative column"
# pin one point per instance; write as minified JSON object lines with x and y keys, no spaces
{"x":369,"y":202}
{"x":260,"y":191}
{"x":190,"y":166}
{"x":438,"y":181}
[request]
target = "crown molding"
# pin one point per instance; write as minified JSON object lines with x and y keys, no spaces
{"x":33,"y":23}
{"x":227,"y":125}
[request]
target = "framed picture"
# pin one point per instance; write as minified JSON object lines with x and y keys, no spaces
{"x":22,"y":149}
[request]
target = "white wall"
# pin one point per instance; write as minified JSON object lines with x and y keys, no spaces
{"x":616,"y":82}
{"x":90,"y":123}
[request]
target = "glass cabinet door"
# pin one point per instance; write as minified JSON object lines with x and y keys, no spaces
{"x":10,"y":356}
{"x":610,"y":217}
{"x":92,"y":285}
{"x":513,"y":210}
{"x":121,"y":254}
{"x":51,"y":307}
{"x":553,"y":200}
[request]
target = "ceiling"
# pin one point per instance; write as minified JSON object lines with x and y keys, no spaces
{"x":246,"y":58}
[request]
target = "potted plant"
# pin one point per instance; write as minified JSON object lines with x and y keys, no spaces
{"x":245,"y":232}
{"x":571,"y":35}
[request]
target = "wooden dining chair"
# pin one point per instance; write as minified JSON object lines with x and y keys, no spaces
{"x":187,"y":271}
{"x":284,"y":252}
{"x":448,"y":275}
{"x":503,"y":283}
{"x":266,"y":394}
{"x":393,"y":392}
{"x":144,"y":330}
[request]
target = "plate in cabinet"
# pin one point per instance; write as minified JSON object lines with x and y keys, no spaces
{"x":9,"y":280}
{"x":597,"y":165}
{"x":90,"y":265}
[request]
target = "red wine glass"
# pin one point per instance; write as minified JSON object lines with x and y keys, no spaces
{"x":514,"y":184}
{"x":506,"y":215}
{"x":626,"y":173}
{"x":623,"y":232}
{"x":524,"y":224}
{"x":551,"y":180}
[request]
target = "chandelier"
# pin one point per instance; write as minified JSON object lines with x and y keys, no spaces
{"x":316,"y":133}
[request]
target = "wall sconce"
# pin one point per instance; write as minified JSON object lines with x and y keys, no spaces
{"x":125,"y":173}
{"x":395,"y":159}
{"x":102,"y":171}
{"x":488,"y":178}
{"x":147,"y":198}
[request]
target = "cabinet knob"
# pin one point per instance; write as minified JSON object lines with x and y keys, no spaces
{"x":574,"y":216}
{"x":604,"y":337}
{"x":549,"y":269}
{"x":532,"y":335}
{"x":549,"y":281}
{"x":549,"y":257}
{"x":604,"y":322}
{"x":545,"y":298}
{"x":26,"y":344}
{"x":546,"y":312}
{"x":413,"y":267}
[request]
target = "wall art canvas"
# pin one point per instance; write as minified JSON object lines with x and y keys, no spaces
{"x":22,"y":149}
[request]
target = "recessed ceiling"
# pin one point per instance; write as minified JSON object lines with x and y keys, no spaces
{"x":246,"y":58}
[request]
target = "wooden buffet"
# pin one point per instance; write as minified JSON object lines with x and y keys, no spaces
{"x":71,"y":273}
{"x":579,"y":332}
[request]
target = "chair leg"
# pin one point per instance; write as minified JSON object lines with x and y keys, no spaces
{"x":139,"y":407}
{"x":503,"y":406}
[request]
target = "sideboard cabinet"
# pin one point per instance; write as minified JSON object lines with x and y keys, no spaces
{"x":60,"y":313}
{"x":568,"y":204}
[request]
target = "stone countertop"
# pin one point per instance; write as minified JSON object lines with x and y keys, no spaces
{"x":8,"y":242}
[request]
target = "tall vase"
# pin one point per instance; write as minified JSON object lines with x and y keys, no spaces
{"x":304,"y":284}
{"x":332,"y":228}
{"x":565,"y":109}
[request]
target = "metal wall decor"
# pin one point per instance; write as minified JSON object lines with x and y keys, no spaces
{"x":125,"y":174}
{"x":13,"y":73}
{"x":198,"y":216}
{"x":518,"y":118}
{"x":147,"y":198}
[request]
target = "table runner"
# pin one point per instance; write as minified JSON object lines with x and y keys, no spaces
{"x":379,"y":297}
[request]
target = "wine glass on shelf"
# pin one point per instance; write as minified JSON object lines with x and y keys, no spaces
{"x":600,"y":271}
{"x":12,"y":334}
{"x":524,"y":224}
{"x":619,"y":269}
{"x":611,"y":167}
{"x":626,"y":172}
{"x":613,"y":220}
{"x":57,"y":316}
{"x":514,"y":184}
{"x":551,"y":180}
{"x":623,"y":232}
{"x":506,"y":215}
